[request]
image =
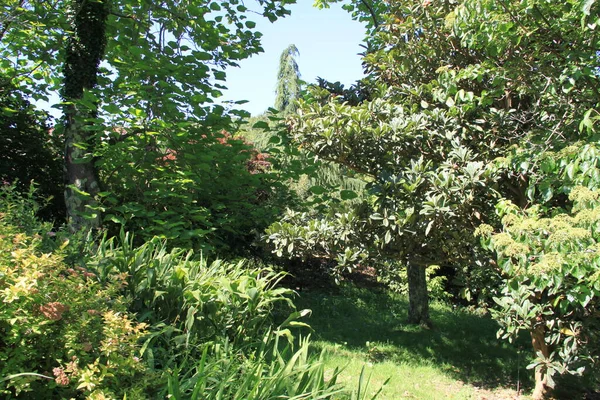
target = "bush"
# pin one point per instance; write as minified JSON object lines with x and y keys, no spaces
{"x":31,"y":150}
{"x":200,"y":190}
{"x":552,"y":288}
{"x":205,"y":300}
{"x":62,"y":331}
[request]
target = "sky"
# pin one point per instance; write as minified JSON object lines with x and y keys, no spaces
{"x":328,"y":41}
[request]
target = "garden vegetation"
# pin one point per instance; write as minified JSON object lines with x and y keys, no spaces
{"x":463,"y":169}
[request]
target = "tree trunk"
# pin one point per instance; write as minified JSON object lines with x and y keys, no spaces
{"x":81,"y":180}
{"x":84,"y":52}
{"x":418,"y":300}
{"x":539,"y":345}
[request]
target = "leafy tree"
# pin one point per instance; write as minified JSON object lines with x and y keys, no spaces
{"x":289,"y":84}
{"x":142,"y":67}
{"x":545,"y":54}
{"x":31,"y":151}
{"x":460,"y":106}
{"x":418,"y":143}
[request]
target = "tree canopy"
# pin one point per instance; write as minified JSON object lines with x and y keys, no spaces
{"x":466,"y":116}
{"x":139,"y":70}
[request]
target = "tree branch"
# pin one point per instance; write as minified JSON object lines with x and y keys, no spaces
{"x":373,"y":15}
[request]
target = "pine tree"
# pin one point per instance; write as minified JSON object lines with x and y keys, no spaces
{"x":288,"y":81}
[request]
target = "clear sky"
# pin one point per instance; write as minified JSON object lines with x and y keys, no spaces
{"x":328,"y":41}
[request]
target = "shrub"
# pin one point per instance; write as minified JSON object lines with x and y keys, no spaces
{"x":552,"y":271}
{"x":205,"y":300}
{"x":31,"y":150}
{"x":62,"y":332}
{"x":200,"y":190}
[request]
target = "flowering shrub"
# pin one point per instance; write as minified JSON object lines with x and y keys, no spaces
{"x":551,"y":264}
{"x":62,"y":332}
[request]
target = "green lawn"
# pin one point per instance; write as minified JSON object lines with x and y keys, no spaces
{"x":460,"y":358}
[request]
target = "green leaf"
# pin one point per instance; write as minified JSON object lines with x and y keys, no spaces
{"x":318,"y":190}
{"x":348,"y":195}
{"x":274,"y":140}
{"x":388,"y":237}
{"x":261,"y":125}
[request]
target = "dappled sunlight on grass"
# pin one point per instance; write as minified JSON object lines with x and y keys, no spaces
{"x":461,"y":353}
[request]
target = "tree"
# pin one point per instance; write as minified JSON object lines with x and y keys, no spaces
{"x":143,"y":68}
{"x":288,"y":81}
{"x":519,"y":93}
{"x":85,"y":49}
{"x":415,"y":143}
{"x":30,"y":151}
{"x":545,"y":243}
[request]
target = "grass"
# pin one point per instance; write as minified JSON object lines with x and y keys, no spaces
{"x":460,"y":358}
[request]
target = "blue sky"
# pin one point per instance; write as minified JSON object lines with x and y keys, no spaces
{"x":328,"y":41}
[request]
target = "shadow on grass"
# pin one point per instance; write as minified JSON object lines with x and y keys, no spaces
{"x":461,"y":344}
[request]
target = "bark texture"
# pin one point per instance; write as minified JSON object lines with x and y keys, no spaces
{"x":418,"y":306}
{"x":84,"y":52}
{"x":539,"y":345}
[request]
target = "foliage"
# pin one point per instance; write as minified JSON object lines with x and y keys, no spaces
{"x":553,"y":282}
{"x":300,"y":235}
{"x":357,"y":93}
{"x":424,"y":139}
{"x":208,"y":328}
{"x":396,"y":280}
{"x":31,"y":151}
{"x":454,"y":87}
{"x":220,"y":299}
{"x":557,"y":109}
{"x":270,"y":371}
{"x":117,"y":59}
{"x":199,"y":190}
{"x":20,"y":210}
{"x":426,"y":187}
{"x":289,"y":85}
{"x":64,"y":333}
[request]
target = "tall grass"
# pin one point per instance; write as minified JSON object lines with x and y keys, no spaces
{"x":267,"y":372}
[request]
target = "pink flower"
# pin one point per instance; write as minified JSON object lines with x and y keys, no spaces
{"x":61,"y":377}
{"x":54,"y":310}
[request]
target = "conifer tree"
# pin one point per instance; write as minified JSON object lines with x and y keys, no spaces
{"x":289,"y":84}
